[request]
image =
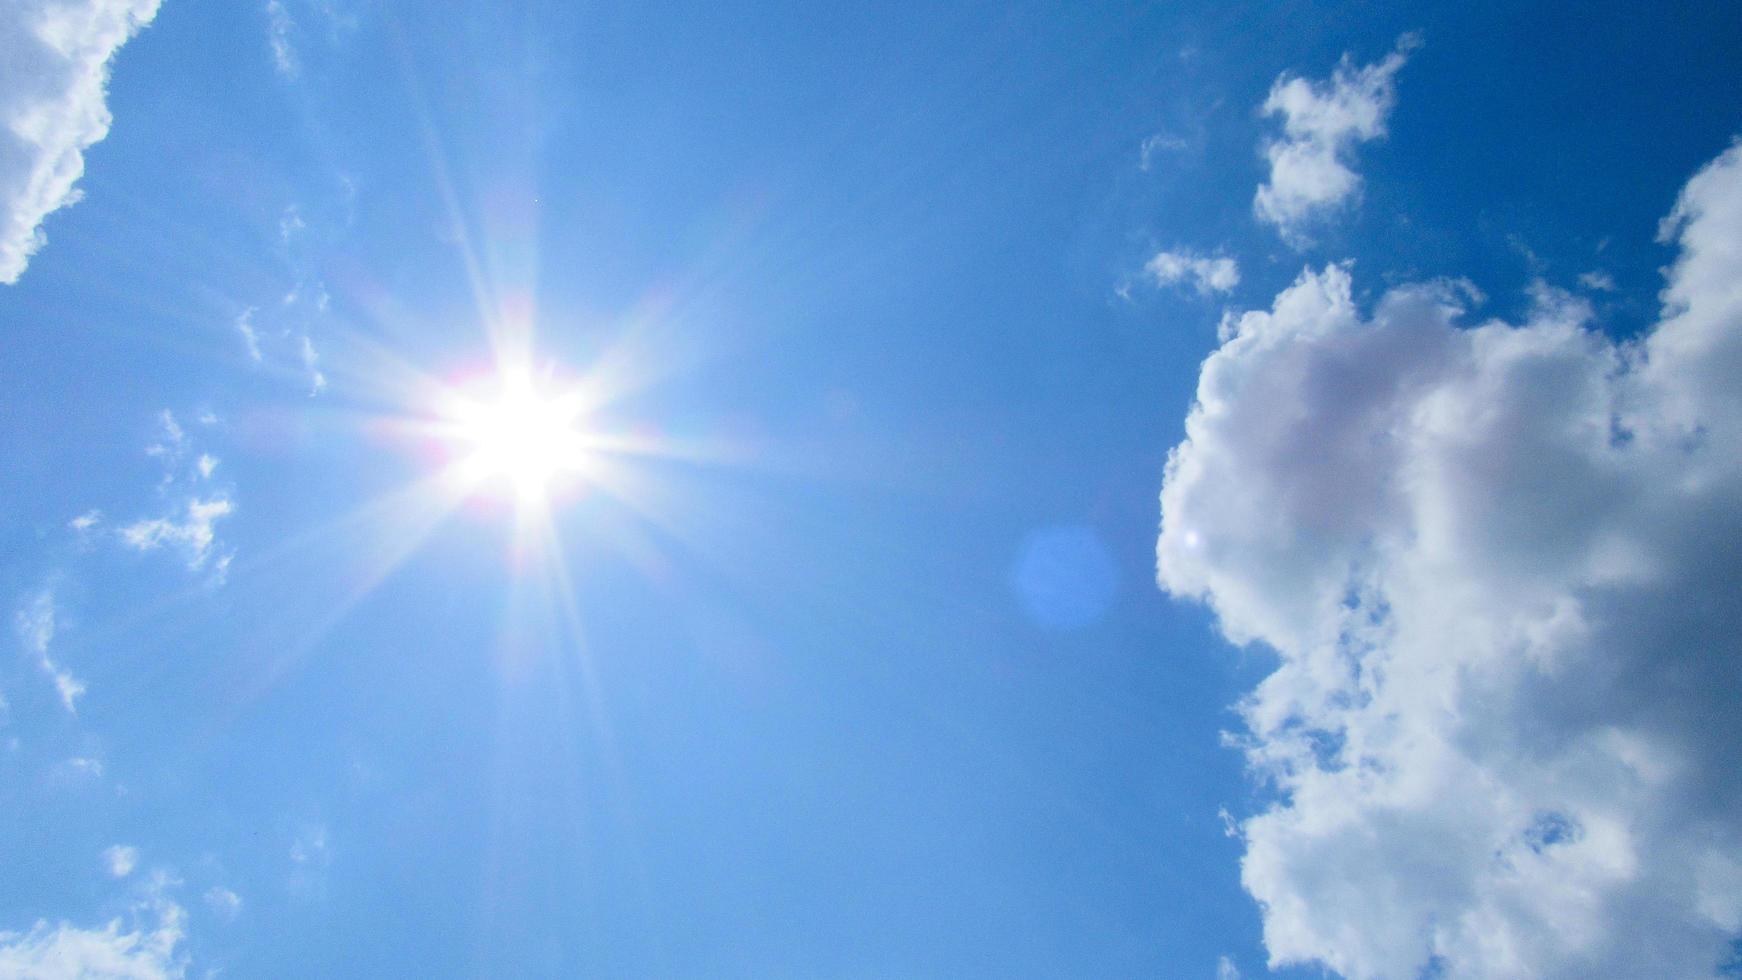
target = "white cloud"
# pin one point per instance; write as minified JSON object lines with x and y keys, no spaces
{"x":173,"y":440}
{"x":223,"y":902}
{"x":192,"y":534}
{"x":190,"y":527}
{"x":84,"y":766}
{"x":1310,"y":172}
{"x":309,"y":293}
{"x":319,"y":19}
{"x":279,"y":28}
{"x":311,"y":362}
{"x":121,"y":859}
{"x":1499,"y":566}
{"x":54,"y":67}
{"x":36,"y":625}
{"x":290,"y":224}
{"x":250,"y":336}
{"x":1154,"y":146}
{"x":1226,"y":970}
{"x":147,"y":948}
{"x":310,"y":857}
{"x":1598,"y":281}
{"x":84,"y":522}
{"x":309,"y":847}
{"x":1205,"y":274}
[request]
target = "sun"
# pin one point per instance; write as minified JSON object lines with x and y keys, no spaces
{"x":517,"y":435}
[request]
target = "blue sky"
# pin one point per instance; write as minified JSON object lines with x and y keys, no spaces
{"x":849,"y":646}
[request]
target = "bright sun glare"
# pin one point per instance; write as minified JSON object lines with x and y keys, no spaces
{"x":521,"y":435}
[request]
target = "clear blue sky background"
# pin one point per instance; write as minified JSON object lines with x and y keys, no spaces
{"x":888,"y":690}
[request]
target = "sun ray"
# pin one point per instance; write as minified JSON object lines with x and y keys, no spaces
{"x":400,"y":521}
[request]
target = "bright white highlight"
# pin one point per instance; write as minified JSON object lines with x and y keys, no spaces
{"x":521,"y":435}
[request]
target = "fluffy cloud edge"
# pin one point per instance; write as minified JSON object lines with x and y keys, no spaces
{"x":1311,"y":171}
{"x":1205,"y":274}
{"x":146,"y":946}
{"x":54,"y":74}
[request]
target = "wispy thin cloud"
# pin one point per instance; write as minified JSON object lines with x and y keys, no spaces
{"x":84,"y":766}
{"x":224,"y":903}
{"x":172,"y":439}
{"x":1158,"y":145}
{"x":250,"y":336}
{"x":279,"y":28}
{"x":192,"y":533}
{"x":311,"y":362}
{"x":190,"y":527}
{"x":310,"y":856}
{"x":290,"y":224}
{"x":37,"y":622}
{"x":121,"y":859}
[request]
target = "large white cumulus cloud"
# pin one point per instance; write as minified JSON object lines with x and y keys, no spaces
{"x":54,"y":66}
{"x":1502,"y":566}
